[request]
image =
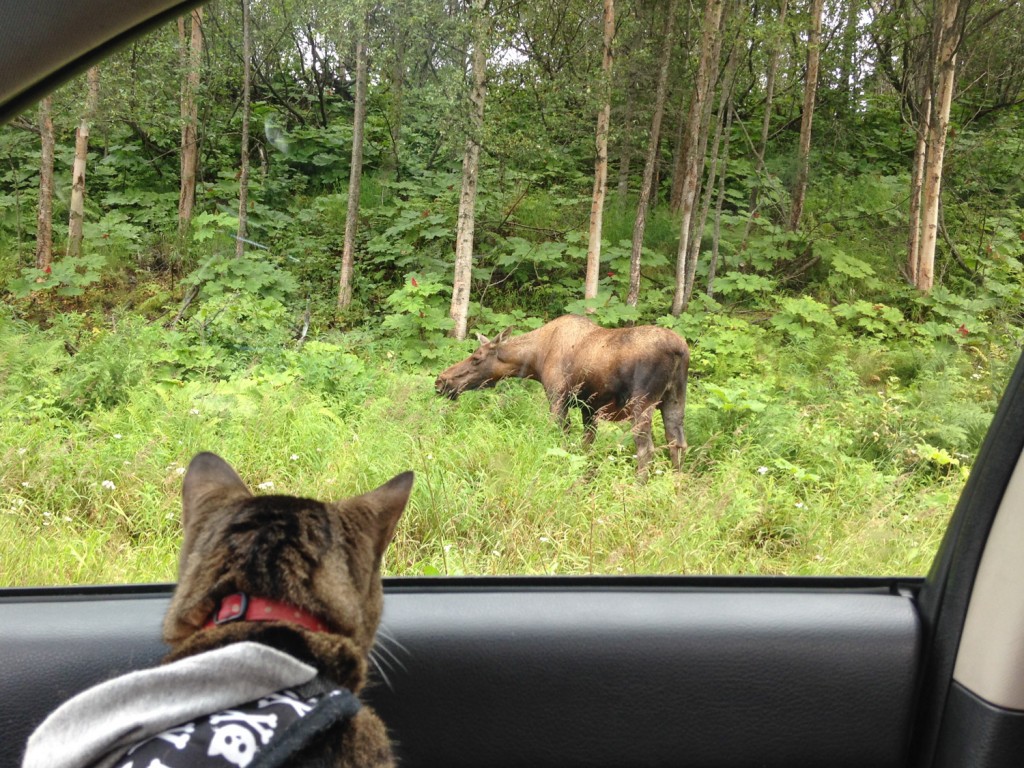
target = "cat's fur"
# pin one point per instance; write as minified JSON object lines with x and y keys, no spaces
{"x":321,"y":557}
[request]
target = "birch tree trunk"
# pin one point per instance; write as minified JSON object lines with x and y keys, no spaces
{"x":701,"y":92}
{"x":724,"y":161}
{"x":601,"y":161}
{"x":189,"y":118}
{"x":625,"y":143}
{"x":355,"y":175}
{"x":652,"y":158}
{"x":810,"y":91}
{"x":396,"y":109}
{"x":917,"y":187}
{"x":946,"y":40}
{"x":470,"y":165}
{"x":243,"y":174}
{"x":44,"y":214}
{"x":723,"y":116}
{"x":77,"y":206}
{"x":766,"y":122}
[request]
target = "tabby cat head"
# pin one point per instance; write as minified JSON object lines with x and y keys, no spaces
{"x":321,"y":557}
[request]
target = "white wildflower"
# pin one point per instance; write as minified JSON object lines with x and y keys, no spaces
{"x":762,"y":470}
{"x":266,"y":486}
{"x":799,"y":505}
{"x":109,"y":485}
{"x":179,"y":471}
{"x":22,"y":451}
{"x":294,"y":457}
{"x":117,"y":435}
{"x":194,"y":412}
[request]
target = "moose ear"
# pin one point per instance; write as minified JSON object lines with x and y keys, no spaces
{"x":387,"y":504}
{"x":503,"y":336}
{"x":482,"y":339}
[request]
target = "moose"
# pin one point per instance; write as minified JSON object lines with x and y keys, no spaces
{"x":608,"y":373}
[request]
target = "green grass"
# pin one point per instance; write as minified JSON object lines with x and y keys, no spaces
{"x":800,"y":469}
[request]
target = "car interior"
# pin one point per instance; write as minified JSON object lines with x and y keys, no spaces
{"x":604,"y":671}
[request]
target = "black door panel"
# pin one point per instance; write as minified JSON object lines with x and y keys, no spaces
{"x":560,"y":674}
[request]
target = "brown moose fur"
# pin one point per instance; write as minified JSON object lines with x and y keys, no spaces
{"x":608,"y":373}
{"x":321,"y":557}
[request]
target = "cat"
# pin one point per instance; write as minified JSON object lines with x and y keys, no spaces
{"x":278,"y":597}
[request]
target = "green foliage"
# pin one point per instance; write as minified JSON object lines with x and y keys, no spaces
{"x":69,"y":276}
{"x":878,"y":320}
{"x":862,"y":401}
{"x":418,"y":317}
{"x":251,"y":274}
{"x":606,"y":309}
{"x":330,"y":370}
{"x":741,"y":284}
{"x":802,"y":318}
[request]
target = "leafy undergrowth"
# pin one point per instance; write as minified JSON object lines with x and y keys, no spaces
{"x":829,"y":455}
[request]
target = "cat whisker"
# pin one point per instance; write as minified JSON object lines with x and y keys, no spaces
{"x":380,"y":670}
{"x":383,"y":650}
{"x":383,"y":633}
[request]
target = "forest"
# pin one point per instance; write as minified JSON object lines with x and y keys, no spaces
{"x":264,"y":229}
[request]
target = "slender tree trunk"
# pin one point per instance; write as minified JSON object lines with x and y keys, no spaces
{"x":601,"y":161}
{"x":470,"y":166}
{"x":724,"y":162}
{"x":916,"y":188}
{"x":766,"y":122}
{"x":44,"y":216}
{"x":675,"y":194}
{"x":243,"y":175}
{"x":652,"y":157}
{"x":626,"y":143}
{"x":398,"y":90}
{"x":849,"y":74}
{"x":701,"y":93}
{"x":77,"y":216}
{"x":697,"y":226}
{"x":189,"y":118}
{"x":810,"y":90}
{"x":947,"y":39}
{"x":355,"y":175}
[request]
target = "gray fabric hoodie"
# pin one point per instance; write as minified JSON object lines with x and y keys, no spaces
{"x":106,"y":720}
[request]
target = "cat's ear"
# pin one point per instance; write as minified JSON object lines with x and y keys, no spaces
{"x":388,"y":502}
{"x":209,"y":479}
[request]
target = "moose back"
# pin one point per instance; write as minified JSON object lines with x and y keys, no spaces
{"x":616,"y":374}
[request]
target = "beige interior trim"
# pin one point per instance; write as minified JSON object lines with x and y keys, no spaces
{"x":990,"y":661}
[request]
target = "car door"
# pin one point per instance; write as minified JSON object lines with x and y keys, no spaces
{"x":614,"y":671}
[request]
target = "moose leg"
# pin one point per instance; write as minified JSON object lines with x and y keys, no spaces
{"x":643,"y":439}
{"x":589,"y":426}
{"x":560,"y":410}
{"x":672,"y":414}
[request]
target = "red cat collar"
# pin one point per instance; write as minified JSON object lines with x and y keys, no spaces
{"x":241,"y":607}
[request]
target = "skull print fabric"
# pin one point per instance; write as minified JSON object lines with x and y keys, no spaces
{"x":232,"y":738}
